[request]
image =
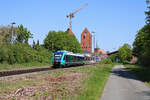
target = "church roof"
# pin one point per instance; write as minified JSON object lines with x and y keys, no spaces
{"x":70,"y":32}
{"x":85,"y":31}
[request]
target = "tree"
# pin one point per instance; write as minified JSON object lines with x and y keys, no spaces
{"x":148,"y":12}
{"x":62,"y":41}
{"x":6,"y":33}
{"x":114,"y":57}
{"x":34,"y":45}
{"x":148,"y":2}
{"x":141,"y":45}
{"x":125,"y":53}
{"x":142,"y":41}
{"x":23,"y":34}
{"x":38,"y":45}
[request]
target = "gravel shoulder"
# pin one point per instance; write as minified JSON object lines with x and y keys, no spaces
{"x":122,"y":85}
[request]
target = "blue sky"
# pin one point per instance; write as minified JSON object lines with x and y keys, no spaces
{"x":115,"y":21}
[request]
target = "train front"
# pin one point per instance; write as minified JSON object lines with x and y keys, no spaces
{"x":58,"y":59}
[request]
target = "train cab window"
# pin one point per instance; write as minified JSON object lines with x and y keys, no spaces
{"x":57,"y":56}
{"x":64,"y":57}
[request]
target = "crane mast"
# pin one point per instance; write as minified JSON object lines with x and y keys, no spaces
{"x":71,"y":15}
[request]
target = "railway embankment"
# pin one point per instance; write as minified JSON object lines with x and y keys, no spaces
{"x":22,"y":66}
{"x":73,"y":83}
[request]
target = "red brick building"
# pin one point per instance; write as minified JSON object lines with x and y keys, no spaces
{"x":70,"y":32}
{"x":86,"y":41}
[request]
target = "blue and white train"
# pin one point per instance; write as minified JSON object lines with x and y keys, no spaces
{"x":65,"y":58}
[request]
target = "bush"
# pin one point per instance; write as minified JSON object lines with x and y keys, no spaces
{"x":114,"y":58}
{"x":23,"y":53}
{"x":106,"y":61}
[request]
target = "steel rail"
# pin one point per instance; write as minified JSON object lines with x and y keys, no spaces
{"x":30,"y":70}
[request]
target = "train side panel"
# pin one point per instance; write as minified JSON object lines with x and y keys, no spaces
{"x":64,"y":58}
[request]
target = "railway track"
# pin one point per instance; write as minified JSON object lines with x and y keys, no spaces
{"x":29,"y":70}
{"x":22,"y":71}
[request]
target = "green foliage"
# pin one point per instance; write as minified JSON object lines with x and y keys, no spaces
{"x":96,"y":83}
{"x":23,"y":34}
{"x":23,"y":53}
{"x":6,"y":33}
{"x":141,"y":45}
{"x":34,"y":45}
{"x":125,"y":53}
{"x":20,"y":33}
{"x":62,"y":41}
{"x":148,"y":1}
{"x":37,"y":95}
{"x":106,"y":61}
{"x":7,"y":66}
{"x":13,"y":98}
{"x":114,"y":57}
{"x":148,"y":15}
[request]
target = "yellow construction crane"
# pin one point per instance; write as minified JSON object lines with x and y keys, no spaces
{"x":71,"y":15}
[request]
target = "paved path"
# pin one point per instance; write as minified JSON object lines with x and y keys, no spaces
{"x":123,"y":86}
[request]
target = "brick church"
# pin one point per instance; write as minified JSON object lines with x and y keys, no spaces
{"x":86,"y":40}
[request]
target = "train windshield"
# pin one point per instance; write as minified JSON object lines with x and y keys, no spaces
{"x":58,"y":56}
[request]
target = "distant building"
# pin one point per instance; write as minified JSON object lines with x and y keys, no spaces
{"x":70,"y":32}
{"x":86,"y":41}
{"x":100,"y":52}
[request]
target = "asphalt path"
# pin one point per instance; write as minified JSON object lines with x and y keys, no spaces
{"x":122,"y":85}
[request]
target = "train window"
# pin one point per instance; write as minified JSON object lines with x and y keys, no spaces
{"x":79,"y":58}
{"x":72,"y":58}
{"x":67,"y":58}
{"x":75,"y":58}
{"x":57,"y":56}
{"x":64,"y":57}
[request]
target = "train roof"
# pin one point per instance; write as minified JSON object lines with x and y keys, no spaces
{"x":70,"y":53}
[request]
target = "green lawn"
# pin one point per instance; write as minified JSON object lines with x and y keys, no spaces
{"x":97,"y":80}
{"x":24,"y":65}
{"x":143,"y":73}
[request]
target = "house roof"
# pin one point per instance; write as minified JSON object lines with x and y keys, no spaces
{"x":102,"y":51}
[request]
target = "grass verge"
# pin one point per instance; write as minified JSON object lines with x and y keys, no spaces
{"x":23,"y":65}
{"x":95,"y":85}
{"x":143,"y":73}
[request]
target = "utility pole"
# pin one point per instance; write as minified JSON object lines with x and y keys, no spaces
{"x":12,"y":32}
{"x":94,"y":41}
